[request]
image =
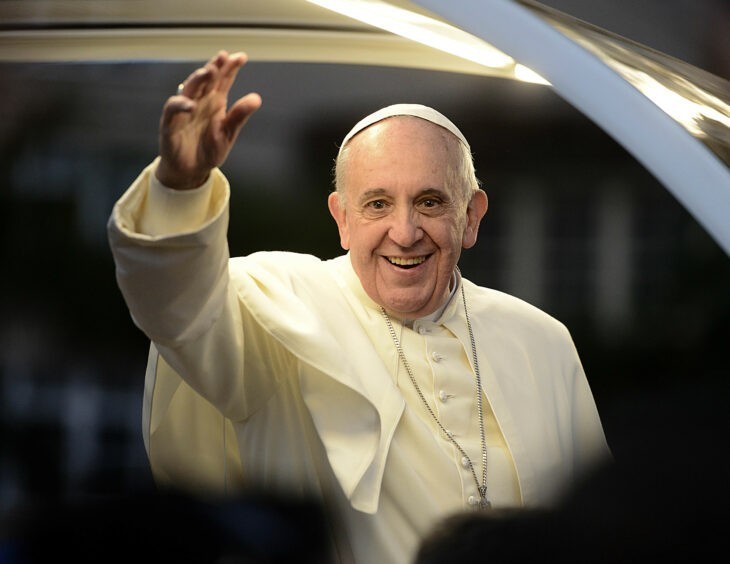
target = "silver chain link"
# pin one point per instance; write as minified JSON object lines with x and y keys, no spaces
{"x":481,"y":488}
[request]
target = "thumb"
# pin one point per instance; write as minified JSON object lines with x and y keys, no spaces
{"x":240,"y":113}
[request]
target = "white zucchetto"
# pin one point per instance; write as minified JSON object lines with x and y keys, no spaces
{"x":416,"y":110}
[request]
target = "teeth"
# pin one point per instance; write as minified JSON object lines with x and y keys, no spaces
{"x":406,"y":261}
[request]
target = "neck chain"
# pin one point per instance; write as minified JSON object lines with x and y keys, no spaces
{"x":482,"y":488}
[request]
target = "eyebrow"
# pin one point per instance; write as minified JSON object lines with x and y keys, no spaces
{"x":376,"y":192}
{"x":371,"y":194}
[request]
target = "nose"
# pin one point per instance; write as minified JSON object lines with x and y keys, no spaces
{"x":405,"y":229}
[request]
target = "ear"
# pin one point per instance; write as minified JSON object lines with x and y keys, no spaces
{"x":474,"y":213}
{"x":339,"y":214}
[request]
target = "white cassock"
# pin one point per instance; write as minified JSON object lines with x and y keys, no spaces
{"x":277,"y":371}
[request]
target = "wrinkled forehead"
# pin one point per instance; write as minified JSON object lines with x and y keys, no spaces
{"x":415,"y":110}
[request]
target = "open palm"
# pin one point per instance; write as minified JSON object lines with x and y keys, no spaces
{"x":197,"y":130}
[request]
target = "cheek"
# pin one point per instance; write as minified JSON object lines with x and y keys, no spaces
{"x":461,"y":234}
{"x":450,"y":237}
{"x":365,"y":238}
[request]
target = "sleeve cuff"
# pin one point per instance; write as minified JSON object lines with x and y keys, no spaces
{"x":170,"y":212}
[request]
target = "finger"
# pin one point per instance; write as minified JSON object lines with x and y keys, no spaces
{"x":229,"y":71}
{"x":219,"y":59}
{"x":174,"y":106}
{"x":240,"y":113}
{"x":213,"y":67}
{"x":199,"y":83}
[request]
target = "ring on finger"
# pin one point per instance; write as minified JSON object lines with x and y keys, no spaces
{"x":180,"y":88}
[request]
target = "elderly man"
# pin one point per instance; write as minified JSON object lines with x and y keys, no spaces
{"x":381,"y":381}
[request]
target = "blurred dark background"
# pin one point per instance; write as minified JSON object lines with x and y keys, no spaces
{"x":576,"y":226}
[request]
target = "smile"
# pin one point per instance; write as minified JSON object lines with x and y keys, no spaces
{"x":407,"y":262}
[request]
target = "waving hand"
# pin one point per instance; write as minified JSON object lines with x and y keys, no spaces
{"x":197,"y":130}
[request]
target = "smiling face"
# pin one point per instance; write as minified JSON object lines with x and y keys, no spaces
{"x":405,"y":217}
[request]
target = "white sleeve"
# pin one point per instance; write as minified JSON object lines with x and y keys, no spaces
{"x":173,"y":274}
{"x":151,"y":210}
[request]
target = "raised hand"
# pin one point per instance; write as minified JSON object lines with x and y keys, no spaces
{"x":197,"y":130}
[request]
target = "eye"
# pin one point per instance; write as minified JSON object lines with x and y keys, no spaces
{"x":376,"y":205}
{"x":431,"y":204}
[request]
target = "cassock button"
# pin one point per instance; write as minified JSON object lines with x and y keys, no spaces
{"x":436,"y":356}
{"x":472,"y":500}
{"x":465,"y":462}
{"x":443,"y":396}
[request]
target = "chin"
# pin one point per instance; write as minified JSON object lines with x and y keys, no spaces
{"x":408,"y":310}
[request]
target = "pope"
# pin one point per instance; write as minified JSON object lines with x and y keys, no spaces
{"x":381,"y":381}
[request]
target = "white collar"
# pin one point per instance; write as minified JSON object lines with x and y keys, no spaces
{"x":436,"y":315}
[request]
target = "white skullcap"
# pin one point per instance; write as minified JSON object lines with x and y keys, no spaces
{"x":417,"y":110}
